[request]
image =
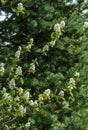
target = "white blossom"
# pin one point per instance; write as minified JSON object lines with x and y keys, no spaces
{"x":52,"y":43}
{"x":45,"y":48}
{"x":17,"y":98}
{"x":20,"y":7}
{"x":17,"y":54}
{"x":4,"y":90}
{"x":61,"y":93}
{"x":57,"y":28}
{"x":31,"y":102}
{"x":6,"y":96}
{"x":19,"y":48}
{"x":86,"y":24}
{"x":32,"y":66}
{"x":2,"y":70}
{"x":27,"y":124}
{"x":18,"y":70}
{"x":62,"y":24}
{"x":72,"y":81}
{"x":22,"y":109}
{"x":77,"y":74}
{"x":40,"y":98}
{"x":31,"y":40}
{"x":12,"y":84}
{"x":35,"y":103}
{"x":20,"y":90}
{"x":70,"y":88}
{"x":26,"y":95}
{"x":47,"y":92}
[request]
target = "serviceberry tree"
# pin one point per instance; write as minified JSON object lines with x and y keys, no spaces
{"x":43,"y":65}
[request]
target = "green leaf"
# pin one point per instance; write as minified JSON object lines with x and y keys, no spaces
{"x":12,"y":92}
{"x":71,"y":93}
{"x":22,"y":80}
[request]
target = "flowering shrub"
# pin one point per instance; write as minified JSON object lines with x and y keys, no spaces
{"x":17,"y":104}
{"x":40,"y":86}
{"x":22,"y":110}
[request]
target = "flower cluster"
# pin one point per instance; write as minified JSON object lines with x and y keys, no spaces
{"x":72,"y":81}
{"x":12,"y":84}
{"x":62,"y":24}
{"x":32,"y":67}
{"x":58,"y":28}
{"x":71,"y":85}
{"x":20,"y":7}
{"x":17,"y":54}
{"x":28,"y":124}
{"x":20,"y":90}
{"x":16,"y":100}
{"x":47,"y":92}
{"x":26,"y":95}
{"x":61,"y":93}
{"x":18,"y":71}
{"x":22,"y":110}
{"x":40,"y":98}
{"x":33,"y":103}
{"x":29,"y":44}
{"x":45,"y":48}
{"x":6,"y":96}
{"x":77,"y":74}
{"x":52,"y":43}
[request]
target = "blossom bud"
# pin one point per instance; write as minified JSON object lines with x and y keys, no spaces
{"x":22,"y":109}
{"x":52,"y":43}
{"x":27,"y":124}
{"x":70,"y":88}
{"x":45,"y":48}
{"x":12,"y":84}
{"x":26,"y":95}
{"x":62,"y":24}
{"x":17,"y":54}
{"x":20,"y":7}
{"x":18,"y":71}
{"x":47,"y":92}
{"x":31,"y":40}
{"x":72,"y":81}
{"x":61,"y":93}
{"x":57,"y":28}
{"x":32,"y":66}
{"x":77,"y":74}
